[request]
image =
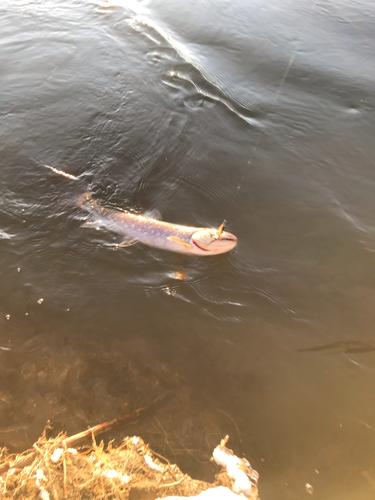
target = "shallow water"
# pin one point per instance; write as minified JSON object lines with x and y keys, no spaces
{"x":259,"y":114}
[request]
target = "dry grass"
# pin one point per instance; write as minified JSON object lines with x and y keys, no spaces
{"x":131,"y":470}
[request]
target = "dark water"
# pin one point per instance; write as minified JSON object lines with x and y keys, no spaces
{"x":172,"y":105}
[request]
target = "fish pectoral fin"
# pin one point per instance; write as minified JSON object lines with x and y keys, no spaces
{"x":153,"y":214}
{"x":127,"y":243}
{"x":176,"y":239}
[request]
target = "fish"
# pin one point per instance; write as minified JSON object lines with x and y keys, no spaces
{"x":150,"y":230}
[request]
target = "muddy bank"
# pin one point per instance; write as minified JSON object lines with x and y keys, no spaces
{"x":75,"y":382}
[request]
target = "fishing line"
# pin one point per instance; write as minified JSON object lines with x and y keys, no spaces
{"x":277,"y":94}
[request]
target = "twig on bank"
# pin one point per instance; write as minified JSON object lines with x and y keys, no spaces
{"x":173,"y":484}
{"x":74,"y":440}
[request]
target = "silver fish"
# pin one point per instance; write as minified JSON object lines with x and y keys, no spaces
{"x":155,"y":233}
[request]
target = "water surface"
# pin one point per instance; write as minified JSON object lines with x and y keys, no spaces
{"x":260,"y":114}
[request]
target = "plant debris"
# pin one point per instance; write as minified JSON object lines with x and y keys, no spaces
{"x":65,"y":468}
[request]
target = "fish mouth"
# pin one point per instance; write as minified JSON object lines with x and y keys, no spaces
{"x":228,"y":237}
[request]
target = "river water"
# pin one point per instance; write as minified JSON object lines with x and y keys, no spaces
{"x":259,"y":113}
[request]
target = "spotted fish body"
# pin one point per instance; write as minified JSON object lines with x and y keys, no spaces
{"x":157,"y":233}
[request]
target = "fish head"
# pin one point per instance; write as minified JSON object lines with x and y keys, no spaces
{"x":214,"y":241}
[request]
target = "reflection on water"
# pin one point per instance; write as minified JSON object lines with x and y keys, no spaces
{"x":262,"y":115}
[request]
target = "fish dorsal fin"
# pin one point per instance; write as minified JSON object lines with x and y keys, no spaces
{"x":153,"y":214}
{"x":176,"y":239}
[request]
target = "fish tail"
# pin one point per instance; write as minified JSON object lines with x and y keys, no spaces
{"x":84,"y":199}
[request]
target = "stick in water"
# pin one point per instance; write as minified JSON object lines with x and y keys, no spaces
{"x":61,"y":172}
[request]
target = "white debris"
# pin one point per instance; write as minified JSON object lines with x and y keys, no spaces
{"x":135,"y":440}
{"x":245,"y":478}
{"x":40,"y":477}
{"x":219,"y":493}
{"x":43,"y":494}
{"x":56,"y":455}
{"x":152,"y":465}
{"x":110,"y":473}
{"x":309,"y":488}
{"x":113,"y":474}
